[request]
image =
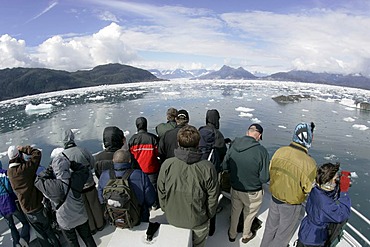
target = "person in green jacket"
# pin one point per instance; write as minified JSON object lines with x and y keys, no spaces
{"x":188,"y":187}
{"x":248,"y":163}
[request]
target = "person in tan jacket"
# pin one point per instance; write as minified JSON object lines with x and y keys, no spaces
{"x":292,"y":174}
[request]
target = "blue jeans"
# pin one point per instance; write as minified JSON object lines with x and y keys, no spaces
{"x":84,"y":232}
{"x":41,"y":223}
{"x":25,"y":232}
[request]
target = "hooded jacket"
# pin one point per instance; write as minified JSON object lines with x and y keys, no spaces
{"x":211,"y":138}
{"x":72,"y":211}
{"x":164,"y":127}
{"x":292,"y":173}
{"x":78,"y":154}
{"x":144,"y":147}
{"x":248,"y":163}
{"x":188,"y":189}
{"x":168,"y":143}
{"x":22,"y":175}
{"x":323,"y":207}
{"x":113,"y":140}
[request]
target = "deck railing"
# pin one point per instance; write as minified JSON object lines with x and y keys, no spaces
{"x":349,"y":238}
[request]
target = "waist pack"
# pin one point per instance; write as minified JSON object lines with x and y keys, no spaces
{"x":121,"y":203}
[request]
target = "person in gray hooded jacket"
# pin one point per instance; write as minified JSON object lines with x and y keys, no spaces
{"x":63,"y":188}
{"x":89,"y":193}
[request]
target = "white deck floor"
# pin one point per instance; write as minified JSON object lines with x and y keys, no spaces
{"x":108,"y":237}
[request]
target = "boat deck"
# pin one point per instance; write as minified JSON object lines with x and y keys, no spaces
{"x":110,"y":236}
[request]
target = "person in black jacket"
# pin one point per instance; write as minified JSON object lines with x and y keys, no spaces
{"x":168,"y":143}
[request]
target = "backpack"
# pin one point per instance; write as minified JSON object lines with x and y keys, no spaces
{"x":335,"y":233}
{"x":122,"y":206}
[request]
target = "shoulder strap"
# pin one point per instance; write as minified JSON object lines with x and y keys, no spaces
{"x":112,"y":174}
{"x":127,"y":174}
{"x":66,"y":156}
{"x":5,"y":187}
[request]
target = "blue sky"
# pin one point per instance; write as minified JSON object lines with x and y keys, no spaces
{"x":265,"y":36}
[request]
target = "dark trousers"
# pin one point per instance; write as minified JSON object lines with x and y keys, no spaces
{"x":25,"y":232}
{"x":41,"y":224}
{"x":299,"y":244}
{"x":153,"y":177}
{"x":84,"y":232}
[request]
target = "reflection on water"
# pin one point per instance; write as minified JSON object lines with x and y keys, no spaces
{"x":338,"y":136}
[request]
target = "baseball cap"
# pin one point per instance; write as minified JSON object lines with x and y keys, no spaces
{"x":257,"y":128}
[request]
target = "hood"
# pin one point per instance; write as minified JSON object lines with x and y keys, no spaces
{"x":188,"y":155}
{"x":68,"y":139}
{"x":141,"y":124}
{"x":207,"y":137}
{"x":113,"y":138}
{"x":213,"y":118}
{"x":243,"y":143}
{"x":60,"y":167}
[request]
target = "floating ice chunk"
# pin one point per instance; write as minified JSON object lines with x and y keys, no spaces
{"x":245,"y":114}
{"x":330,"y":157}
{"x":354,"y":175}
{"x":3,"y":154}
{"x":348,"y":119}
{"x":244,"y":109}
{"x":360,"y":127}
{"x":349,"y":109}
{"x":211,"y":100}
{"x":282,"y":127}
{"x":348,"y":102}
{"x":305,"y":110}
{"x":97,"y":98}
{"x":126,"y":132}
{"x":334,"y":112}
{"x":255,"y":120}
{"x":38,"y":109}
{"x":349,"y":136}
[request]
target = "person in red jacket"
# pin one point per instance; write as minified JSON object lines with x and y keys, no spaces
{"x":144,"y":147}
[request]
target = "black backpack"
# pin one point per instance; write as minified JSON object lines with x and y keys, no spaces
{"x":122,"y":206}
{"x":335,"y":233}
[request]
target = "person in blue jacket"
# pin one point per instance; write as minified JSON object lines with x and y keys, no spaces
{"x":328,"y":202}
{"x":8,"y":208}
{"x":139,"y":182}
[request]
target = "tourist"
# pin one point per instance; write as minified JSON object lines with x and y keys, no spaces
{"x":212,"y":144}
{"x":22,"y":175}
{"x":292,"y":173}
{"x":138,"y":180}
{"x":63,"y":188}
{"x":248,"y":163}
{"x":113,"y":139}
{"x":8,"y":209}
{"x":144,"y":147}
{"x":188,"y":188}
{"x":328,"y":203}
{"x":169,"y":125}
{"x":168,"y":143}
{"x":89,"y":192}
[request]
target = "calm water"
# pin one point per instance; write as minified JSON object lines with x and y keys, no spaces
{"x":341,"y":135}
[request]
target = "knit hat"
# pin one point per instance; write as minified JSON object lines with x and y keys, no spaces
{"x":303,"y":134}
{"x":13,"y":152}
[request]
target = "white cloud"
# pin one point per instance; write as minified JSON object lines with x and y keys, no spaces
{"x":47,"y":9}
{"x":13,"y":53}
{"x":316,"y":39}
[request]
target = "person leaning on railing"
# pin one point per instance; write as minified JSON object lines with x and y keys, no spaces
{"x":328,"y":208}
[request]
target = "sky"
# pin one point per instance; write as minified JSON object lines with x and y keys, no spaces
{"x":264,"y":36}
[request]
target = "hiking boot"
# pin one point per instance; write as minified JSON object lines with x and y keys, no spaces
{"x":246,"y":240}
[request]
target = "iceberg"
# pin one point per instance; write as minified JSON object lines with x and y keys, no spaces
{"x":38,"y":109}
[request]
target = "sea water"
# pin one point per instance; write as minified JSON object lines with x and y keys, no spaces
{"x":342,"y":130}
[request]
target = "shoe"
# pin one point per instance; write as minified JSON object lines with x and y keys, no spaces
{"x":246,"y":240}
{"x":230,"y":239}
{"x":23,"y":242}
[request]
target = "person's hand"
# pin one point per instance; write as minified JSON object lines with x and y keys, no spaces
{"x":345,"y":181}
